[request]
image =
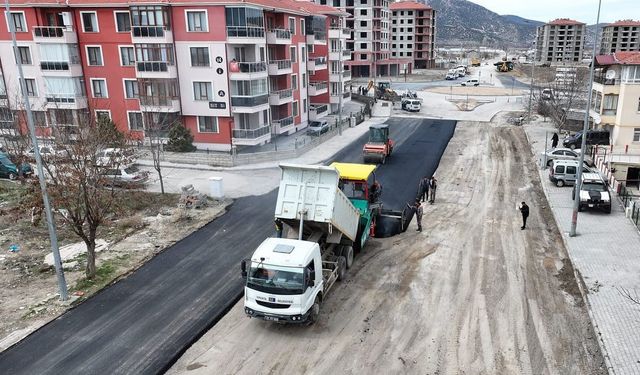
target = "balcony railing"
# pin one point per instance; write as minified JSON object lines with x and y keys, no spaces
{"x":283,"y":94}
{"x":346,"y":74}
{"x":148,"y":31}
{"x":319,"y":108}
{"x":51,"y":31}
{"x":604,"y":81}
{"x":320,"y":61}
{"x":54,"y":65}
{"x":245,"y":32}
{"x":249,"y":101}
{"x":153,"y":66}
{"x":319,"y":85}
{"x":283,"y":122}
{"x":156,"y":101}
{"x":344,"y":31}
{"x":250,"y":67}
{"x":281,"y":33}
{"x":282,"y":64}
{"x":252,"y":133}
{"x":64,"y":98}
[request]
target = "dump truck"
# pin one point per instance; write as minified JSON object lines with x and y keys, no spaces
{"x":379,"y":146}
{"x":288,"y":278}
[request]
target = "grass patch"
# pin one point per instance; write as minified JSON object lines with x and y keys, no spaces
{"x":105,"y":274}
{"x":146,"y":202}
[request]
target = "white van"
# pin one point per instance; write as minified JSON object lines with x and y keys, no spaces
{"x":471,"y":82}
{"x":565,"y":172}
{"x":411,"y":105}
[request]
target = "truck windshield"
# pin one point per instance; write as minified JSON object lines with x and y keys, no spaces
{"x":277,"y":280}
{"x":593,"y":186}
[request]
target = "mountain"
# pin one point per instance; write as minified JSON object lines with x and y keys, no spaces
{"x":463,"y":22}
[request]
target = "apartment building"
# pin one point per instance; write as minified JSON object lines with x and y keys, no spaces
{"x":620,"y":36}
{"x":560,"y":41}
{"x":413,"y":31}
{"x":235,"y":73}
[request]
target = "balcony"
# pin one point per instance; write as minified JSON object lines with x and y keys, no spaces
{"x":66,"y":101}
{"x":316,"y":112}
{"x":162,"y":104}
{"x":336,"y":76}
{"x":279,"y":67}
{"x":318,"y":38}
{"x":156,"y":69}
{"x":335,"y":97}
{"x":247,"y":70}
{"x":280,"y":97}
{"x":252,"y":137}
{"x":245,"y":34}
{"x":54,"y":34}
{"x":338,"y":55}
{"x":151,"y":34}
{"x":339,"y":33}
{"x":282,"y":125}
{"x":317,"y":63}
{"x":318,"y":88}
{"x":279,"y":36}
{"x":604,"y":81}
{"x":249,"y":104}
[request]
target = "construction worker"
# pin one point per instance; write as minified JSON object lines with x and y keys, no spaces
{"x":433,"y":185}
{"x":376,"y":191}
{"x":423,"y":188}
{"x":279,"y":227}
{"x":524,"y":210}
{"x":417,"y":208}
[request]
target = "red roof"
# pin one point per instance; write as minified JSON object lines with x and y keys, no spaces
{"x":409,"y":5}
{"x":619,"y":58}
{"x":624,"y":23}
{"x":565,"y":21}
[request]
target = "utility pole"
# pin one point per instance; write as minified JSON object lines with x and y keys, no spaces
{"x":533,"y":69}
{"x":53,"y":236}
{"x":341,"y":71}
{"x":585,"y":127}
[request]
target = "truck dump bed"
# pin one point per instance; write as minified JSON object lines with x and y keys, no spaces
{"x":314,"y":189}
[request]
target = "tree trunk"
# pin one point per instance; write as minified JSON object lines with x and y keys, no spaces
{"x":161,"y":181}
{"x":91,"y":259}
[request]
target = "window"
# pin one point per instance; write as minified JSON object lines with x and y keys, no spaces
{"x":363,"y":23}
{"x":294,"y":81}
{"x":363,"y":12}
{"x":304,"y":80}
{"x":123,"y":22}
{"x":363,"y":45}
{"x":135,"y":120}
{"x":24,"y":56}
{"x":304,"y":105}
{"x":199,"y":56}
{"x":131,"y":89}
{"x":99,"y":88}
{"x":19,"y":23}
{"x":103,"y":115}
{"x":638,"y":104}
{"x":292,"y":25}
{"x":202,"y":91}
{"x":89,"y":22}
{"x":571,"y":169}
{"x":30,"y":84}
{"x":302,"y":27}
{"x":197,"y":21}
{"x":293,"y":54}
{"x":295,"y":109}
{"x":40,"y":118}
{"x":207,"y":124}
{"x":636,"y":134}
{"x":61,"y":116}
{"x":303,"y":54}
{"x":127,"y":57}
{"x":94,"y":56}
{"x":610,"y":105}
{"x":363,"y":34}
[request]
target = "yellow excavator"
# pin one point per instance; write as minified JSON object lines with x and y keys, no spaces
{"x":384,"y":91}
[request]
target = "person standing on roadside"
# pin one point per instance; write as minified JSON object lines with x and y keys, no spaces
{"x":417,"y":208}
{"x":279,"y":226}
{"x":433,"y":185}
{"x":554,"y":140}
{"x":423,"y":189}
{"x":524,"y":210}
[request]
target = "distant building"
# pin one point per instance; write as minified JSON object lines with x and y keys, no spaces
{"x":413,"y":29}
{"x":560,"y":41}
{"x":620,"y":36}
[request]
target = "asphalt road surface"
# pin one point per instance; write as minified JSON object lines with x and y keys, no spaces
{"x":143,"y":323}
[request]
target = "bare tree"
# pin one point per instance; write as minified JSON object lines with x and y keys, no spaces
{"x":156,"y":130}
{"x":563,"y":93}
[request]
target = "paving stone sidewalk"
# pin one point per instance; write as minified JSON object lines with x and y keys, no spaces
{"x":606,"y":253}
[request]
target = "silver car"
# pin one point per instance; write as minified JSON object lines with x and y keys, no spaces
{"x":563,"y":154}
{"x":124,"y":176}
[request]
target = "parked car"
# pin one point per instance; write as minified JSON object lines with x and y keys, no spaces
{"x":565,"y":172}
{"x":124,"y":176}
{"x":594,"y":137}
{"x":9,"y":170}
{"x":115,"y":156}
{"x":47,"y":152}
{"x":471,"y":82}
{"x":411,"y":105}
{"x":547,"y":94}
{"x":318,"y":127}
{"x":594,"y":193}
{"x":563,"y":154}
{"x":451,"y":76}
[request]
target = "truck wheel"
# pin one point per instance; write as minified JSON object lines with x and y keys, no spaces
{"x":342,"y":268}
{"x":315,"y":312}
{"x":572,"y":146}
{"x":12,"y":176}
{"x":559,"y":183}
{"x":579,"y":208}
{"x":347,"y":253}
{"x":607,"y":209}
{"x":549,"y":162}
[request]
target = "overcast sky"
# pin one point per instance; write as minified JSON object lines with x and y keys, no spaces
{"x":581,"y":10}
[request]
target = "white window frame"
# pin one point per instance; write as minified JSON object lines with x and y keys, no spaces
{"x":304,"y":80}
{"x":124,"y":87}
{"x":97,"y":22}
{"x":24,"y":19}
{"x":296,"y":80}
{"x":115,"y":20}
{"x":293,"y":32}
{"x":129,"y":121}
{"x":636,"y":131}
{"x":86,"y":50}
{"x":305,"y":104}
{"x":302,"y":26}
{"x":206,"y":18}
{"x":106,"y":88}
{"x":303,"y":54}
{"x":35,"y":87}
{"x":120,"y":47}
{"x":103,"y":110}
{"x":193,"y":91}
{"x":294,"y":55}
{"x":30,"y":55}
{"x":295,"y":105}
{"x":208,"y":132}
{"x":200,"y":66}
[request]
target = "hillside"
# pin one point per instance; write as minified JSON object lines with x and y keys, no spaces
{"x":461,"y":21}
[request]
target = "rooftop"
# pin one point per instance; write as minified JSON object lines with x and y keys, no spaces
{"x":619,"y":58}
{"x":624,"y":23}
{"x":565,"y":21}
{"x":411,"y":5}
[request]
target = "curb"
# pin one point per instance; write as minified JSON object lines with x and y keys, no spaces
{"x":576,"y":273}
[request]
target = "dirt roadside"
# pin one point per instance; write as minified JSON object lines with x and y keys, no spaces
{"x":473,"y":294}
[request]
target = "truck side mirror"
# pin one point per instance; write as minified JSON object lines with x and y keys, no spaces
{"x":243,"y":268}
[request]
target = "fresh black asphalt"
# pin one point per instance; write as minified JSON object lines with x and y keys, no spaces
{"x":143,"y":323}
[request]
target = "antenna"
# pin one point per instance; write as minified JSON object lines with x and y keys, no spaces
{"x":611,"y":74}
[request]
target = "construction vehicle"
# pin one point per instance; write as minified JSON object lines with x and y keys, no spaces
{"x":379,"y":146}
{"x":475,"y":61}
{"x":384,"y":91}
{"x":504,"y":66}
{"x":328,"y":213}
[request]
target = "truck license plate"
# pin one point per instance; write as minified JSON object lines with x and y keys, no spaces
{"x":271,"y":318}
{"x":590,"y":205}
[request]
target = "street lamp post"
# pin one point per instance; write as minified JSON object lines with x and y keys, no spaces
{"x":533,"y":69}
{"x":585,"y":127}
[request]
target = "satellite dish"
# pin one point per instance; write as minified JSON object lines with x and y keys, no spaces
{"x":611,"y":74}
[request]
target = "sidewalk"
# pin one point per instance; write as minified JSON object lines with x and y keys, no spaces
{"x":606,"y":254}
